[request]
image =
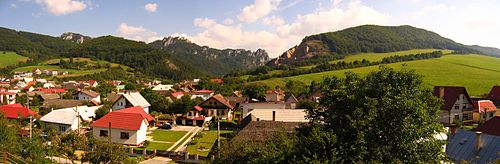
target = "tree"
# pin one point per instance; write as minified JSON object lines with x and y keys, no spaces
{"x":254,"y":91}
{"x":388,"y":116}
{"x":104,"y":152}
{"x":296,"y":88}
{"x":104,"y":88}
{"x":105,"y":109}
{"x":9,"y":139}
{"x":158,"y":103}
{"x":68,"y":143}
{"x":307,"y":104}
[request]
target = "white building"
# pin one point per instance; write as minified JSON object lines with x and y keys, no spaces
{"x":127,"y":126}
{"x":161,"y":87}
{"x":9,"y":97}
{"x":68,"y":119}
{"x":88,"y":95}
{"x":131,"y":99}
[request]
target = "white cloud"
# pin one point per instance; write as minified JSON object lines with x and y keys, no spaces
{"x":279,"y":36}
{"x":257,"y":10}
{"x":273,"y":21}
{"x":138,"y":33}
{"x":13,"y":5}
{"x":151,"y":7}
{"x":228,"y":21}
{"x":333,"y":19}
{"x":62,"y":7}
{"x":433,"y":9}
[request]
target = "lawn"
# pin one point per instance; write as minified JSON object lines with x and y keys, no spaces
{"x":207,"y":140}
{"x":158,"y":146}
{"x":90,"y":62}
{"x":10,"y":58}
{"x":379,"y":56}
{"x":476,"y":72}
{"x":167,"y":135}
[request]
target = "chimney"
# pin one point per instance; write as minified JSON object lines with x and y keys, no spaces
{"x":274,"y":115}
{"x":441,"y":92}
{"x":478,"y":141}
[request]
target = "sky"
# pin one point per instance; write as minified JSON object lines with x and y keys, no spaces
{"x":274,"y":25}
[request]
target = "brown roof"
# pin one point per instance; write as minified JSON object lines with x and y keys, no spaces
{"x":276,"y":91}
{"x":450,"y":95}
{"x":61,"y":103}
{"x":261,"y":130}
{"x":90,"y":93}
{"x":112,"y":97}
{"x":490,"y":127}
{"x":50,"y":96}
{"x":220,"y":99}
{"x":494,"y":93}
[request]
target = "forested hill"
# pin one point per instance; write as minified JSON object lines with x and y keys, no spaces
{"x":138,"y":55}
{"x":210,"y":60}
{"x":32,"y":45}
{"x":367,"y":38}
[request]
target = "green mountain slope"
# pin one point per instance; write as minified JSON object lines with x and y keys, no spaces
{"x":32,"y":45}
{"x":138,"y":55}
{"x":210,"y":60}
{"x":367,"y":38}
{"x":477,"y":73}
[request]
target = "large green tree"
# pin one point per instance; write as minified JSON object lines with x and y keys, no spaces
{"x":387,"y":116}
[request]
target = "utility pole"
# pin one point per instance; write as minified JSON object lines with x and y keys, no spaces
{"x":31,"y":124}
{"x":218,"y":133}
{"x":109,"y":140}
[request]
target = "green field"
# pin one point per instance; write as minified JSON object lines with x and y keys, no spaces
{"x":206,"y":141}
{"x":10,"y":58}
{"x":168,"y":135}
{"x":379,"y":56}
{"x":158,"y":146}
{"x":50,"y":65}
{"x":476,"y":72}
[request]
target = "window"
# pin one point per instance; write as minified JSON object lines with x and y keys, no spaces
{"x":457,"y":117}
{"x":189,"y":114}
{"x":464,"y":107}
{"x":103,"y":133}
{"x":456,"y":106}
{"x":62,"y":128}
{"x":491,"y":114}
{"x":124,"y":135}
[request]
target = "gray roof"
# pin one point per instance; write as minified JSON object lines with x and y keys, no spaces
{"x":136,"y":99}
{"x":461,"y":146}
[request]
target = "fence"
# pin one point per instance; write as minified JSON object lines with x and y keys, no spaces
{"x":175,"y":156}
{"x":6,"y":157}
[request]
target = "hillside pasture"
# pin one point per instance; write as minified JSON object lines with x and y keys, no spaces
{"x":379,"y":56}
{"x":10,"y":58}
{"x":476,"y":72}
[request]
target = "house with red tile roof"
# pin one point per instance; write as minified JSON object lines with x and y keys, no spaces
{"x":217,"y":106}
{"x":203,"y":94}
{"x":194,"y":117}
{"x":176,"y":95}
{"x":483,"y":110}
{"x":127,"y":126}
{"x":457,"y":105}
{"x":16,"y":111}
{"x":494,"y":95}
{"x":93,"y":83}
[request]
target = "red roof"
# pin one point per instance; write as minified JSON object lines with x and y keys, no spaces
{"x":216,"y":81}
{"x":204,"y":91}
{"x":276,"y":91}
{"x":13,"y":111}
{"x":484,"y":106}
{"x":7,"y":93}
{"x":92,"y":82}
{"x":494,"y":93}
{"x":176,"y":94}
{"x":198,"y":108}
{"x":52,"y":90}
{"x":490,"y":127}
{"x":450,"y":95}
{"x":127,"y":119}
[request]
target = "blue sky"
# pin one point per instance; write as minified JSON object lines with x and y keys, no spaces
{"x":274,"y":25}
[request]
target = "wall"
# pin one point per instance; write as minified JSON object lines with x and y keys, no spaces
{"x":135,"y":137}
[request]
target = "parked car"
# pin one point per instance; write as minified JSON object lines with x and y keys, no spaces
{"x":165,"y":126}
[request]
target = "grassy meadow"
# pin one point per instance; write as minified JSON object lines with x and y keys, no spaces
{"x":10,"y":58}
{"x":476,"y":72}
